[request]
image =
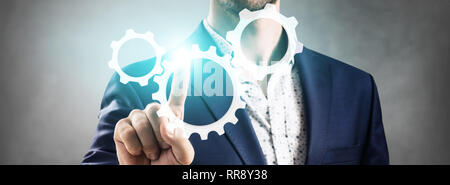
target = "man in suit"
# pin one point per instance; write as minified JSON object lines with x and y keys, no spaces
{"x":321,"y":111}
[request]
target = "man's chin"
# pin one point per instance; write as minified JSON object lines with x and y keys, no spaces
{"x":235,"y":6}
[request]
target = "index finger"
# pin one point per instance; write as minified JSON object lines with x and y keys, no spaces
{"x":180,"y":85}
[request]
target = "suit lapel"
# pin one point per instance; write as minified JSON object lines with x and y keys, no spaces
{"x":316,"y":79}
{"x":241,"y":135}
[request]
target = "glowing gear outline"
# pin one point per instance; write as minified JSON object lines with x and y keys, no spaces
{"x":114,"y":62}
{"x":269,"y":12}
{"x":217,"y":126}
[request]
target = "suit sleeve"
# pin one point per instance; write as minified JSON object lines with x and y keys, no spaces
{"x":375,"y":151}
{"x":117,"y":102}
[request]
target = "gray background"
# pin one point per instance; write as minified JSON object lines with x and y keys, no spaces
{"x":54,"y":55}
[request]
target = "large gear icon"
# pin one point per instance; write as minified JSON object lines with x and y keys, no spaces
{"x":114,"y":62}
{"x":202,"y":130}
{"x":247,"y":17}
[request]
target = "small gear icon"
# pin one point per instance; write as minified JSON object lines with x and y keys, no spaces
{"x":247,"y":17}
{"x":202,"y":130}
{"x":114,"y":62}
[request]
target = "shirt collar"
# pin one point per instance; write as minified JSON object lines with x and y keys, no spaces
{"x":222,"y":44}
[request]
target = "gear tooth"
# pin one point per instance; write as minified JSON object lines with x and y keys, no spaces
{"x":227,"y":57}
{"x":158,"y":69}
{"x":156,"y":79}
{"x":114,"y":44}
{"x":111,"y":64}
{"x":235,"y":38}
{"x":212,"y":50}
{"x":229,"y":35}
{"x":293,"y":21}
{"x":164,"y":68}
{"x":188,"y":132}
{"x":235,"y":63}
{"x":245,"y":13}
{"x":203,"y":135}
{"x":143,"y":83}
{"x":161,"y":50}
{"x":130,"y":32}
{"x":220,"y":131}
{"x":270,"y":7}
{"x":242,"y":106}
{"x":124,"y":81}
{"x":195,"y":48}
{"x":234,"y":120}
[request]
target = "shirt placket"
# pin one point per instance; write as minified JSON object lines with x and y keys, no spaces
{"x":257,"y":107}
{"x":277,"y":119}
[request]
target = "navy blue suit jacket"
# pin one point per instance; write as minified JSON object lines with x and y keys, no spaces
{"x":343,"y":115}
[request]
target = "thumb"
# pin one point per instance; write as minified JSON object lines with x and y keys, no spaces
{"x":173,"y":134}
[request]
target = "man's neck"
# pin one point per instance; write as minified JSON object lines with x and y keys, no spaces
{"x":262,"y":41}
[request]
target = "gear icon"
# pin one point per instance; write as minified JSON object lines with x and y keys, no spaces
{"x":247,"y":17}
{"x":202,"y":130}
{"x":114,"y":62}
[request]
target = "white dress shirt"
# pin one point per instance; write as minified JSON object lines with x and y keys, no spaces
{"x":278,"y":118}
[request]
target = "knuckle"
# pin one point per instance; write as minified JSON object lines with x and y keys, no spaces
{"x":127,"y":132}
{"x":117,"y":127}
{"x":140,"y":123}
{"x":139,"y":119}
{"x":151,"y":148}
{"x":116,"y":138}
{"x":151,"y":112}
{"x":134,"y":112}
{"x":121,"y":121}
{"x":153,"y":107}
{"x":134,"y":150}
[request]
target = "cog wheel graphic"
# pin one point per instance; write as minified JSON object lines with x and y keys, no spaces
{"x":202,"y":130}
{"x":247,"y":17}
{"x":114,"y":62}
